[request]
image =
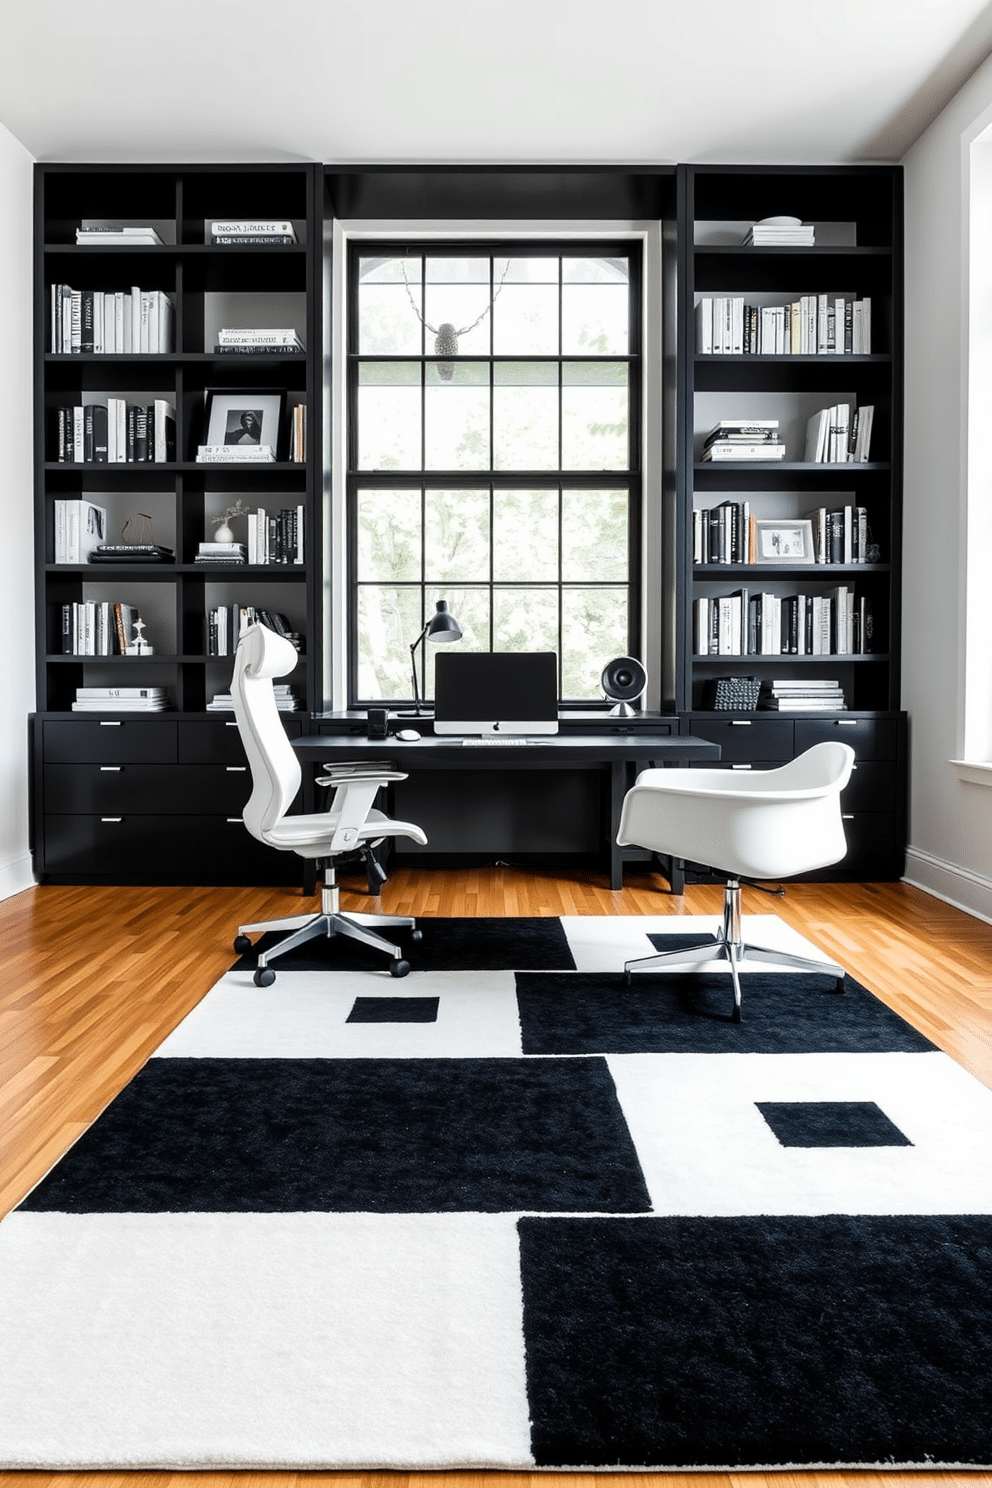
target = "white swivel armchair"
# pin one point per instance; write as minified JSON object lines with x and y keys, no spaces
{"x":767,"y":824}
{"x":350,"y":821}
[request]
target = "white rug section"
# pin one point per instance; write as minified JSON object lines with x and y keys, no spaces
{"x":302,"y":1016}
{"x":263,"y":1340}
{"x":705,"y":1148}
{"x":602,"y":943}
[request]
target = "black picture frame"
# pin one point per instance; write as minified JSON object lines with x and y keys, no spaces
{"x":240,"y":417}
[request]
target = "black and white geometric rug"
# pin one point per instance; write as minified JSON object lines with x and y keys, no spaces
{"x":509,"y":1213}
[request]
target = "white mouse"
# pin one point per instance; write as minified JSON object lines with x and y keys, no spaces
{"x":408,"y":736}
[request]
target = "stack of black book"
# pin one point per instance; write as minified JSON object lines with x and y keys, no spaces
{"x":131,"y":553}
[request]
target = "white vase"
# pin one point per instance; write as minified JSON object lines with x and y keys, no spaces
{"x":223,"y":533}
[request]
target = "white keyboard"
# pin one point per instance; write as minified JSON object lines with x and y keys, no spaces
{"x":497,"y":739}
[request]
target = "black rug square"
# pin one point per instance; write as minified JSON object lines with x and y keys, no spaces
{"x":831,"y":1124}
{"x":740,"y":1342}
{"x":366,"y":1135}
{"x":689,"y":1013}
{"x":448,"y":944}
{"x":394,"y":1010}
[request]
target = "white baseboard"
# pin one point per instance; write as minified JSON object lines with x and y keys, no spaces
{"x":959,"y":886}
{"x":16,"y":876}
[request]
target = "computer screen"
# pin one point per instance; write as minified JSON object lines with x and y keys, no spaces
{"x":495,"y":692}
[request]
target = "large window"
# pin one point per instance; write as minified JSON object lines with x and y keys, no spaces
{"x":493,"y":454}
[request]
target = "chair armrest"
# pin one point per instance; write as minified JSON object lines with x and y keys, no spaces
{"x":338,"y":774}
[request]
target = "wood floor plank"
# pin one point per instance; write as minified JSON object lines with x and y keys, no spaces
{"x":96,"y":977}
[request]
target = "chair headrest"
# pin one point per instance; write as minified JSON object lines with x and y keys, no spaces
{"x":265,"y":653}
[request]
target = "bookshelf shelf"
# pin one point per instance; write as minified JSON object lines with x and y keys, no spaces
{"x":857,"y":213}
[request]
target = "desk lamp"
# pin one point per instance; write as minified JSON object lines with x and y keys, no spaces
{"x":441,"y":627}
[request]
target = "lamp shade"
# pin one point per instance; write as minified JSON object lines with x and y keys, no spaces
{"x":442,"y":626}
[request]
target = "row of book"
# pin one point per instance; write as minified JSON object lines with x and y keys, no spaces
{"x":729,"y":533}
{"x":116,"y":432}
{"x":273,"y":538}
{"x":225,"y":625}
{"x":100,"y":627}
{"x":839,"y":435}
{"x":785,"y":695}
{"x":813,"y":325}
{"x":121,"y":700}
{"x":111,"y":322}
{"x":838,"y":623}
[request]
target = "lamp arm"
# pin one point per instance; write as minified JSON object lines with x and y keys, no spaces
{"x":413,"y":669}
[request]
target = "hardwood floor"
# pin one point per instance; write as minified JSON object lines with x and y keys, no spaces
{"x":94,"y":978}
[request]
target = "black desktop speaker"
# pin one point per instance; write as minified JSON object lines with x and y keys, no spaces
{"x":378,"y":723}
{"x":623,"y":680}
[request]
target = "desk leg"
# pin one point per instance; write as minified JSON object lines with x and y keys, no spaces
{"x":618,"y":789}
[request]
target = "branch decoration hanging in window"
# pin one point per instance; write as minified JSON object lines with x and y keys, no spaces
{"x":445,"y":335}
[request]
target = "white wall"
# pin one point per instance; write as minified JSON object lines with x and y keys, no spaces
{"x":16,"y":522}
{"x":950,"y":829}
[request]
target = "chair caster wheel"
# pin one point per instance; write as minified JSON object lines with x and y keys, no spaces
{"x":399,"y":968}
{"x":242,"y":945}
{"x":264,"y":976}
{"x":627,"y":978}
{"x":416,"y":934}
{"x":735,"y":1016}
{"x":840,"y":987}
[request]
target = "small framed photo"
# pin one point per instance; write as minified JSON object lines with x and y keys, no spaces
{"x":244,"y":417}
{"x":780,"y":541}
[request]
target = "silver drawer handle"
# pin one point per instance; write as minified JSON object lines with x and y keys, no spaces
{"x":847,"y":816}
{"x":235,"y":769}
{"x":740,"y":723}
{"x":111,"y":818}
{"x":238,"y":819}
{"x":740,"y":767}
{"x":847,"y":722}
{"x":110,"y":723}
{"x":230,"y":725}
{"x":110,"y":769}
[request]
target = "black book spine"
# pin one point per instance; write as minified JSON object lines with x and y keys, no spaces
{"x":86,"y":320}
{"x":99,"y":412}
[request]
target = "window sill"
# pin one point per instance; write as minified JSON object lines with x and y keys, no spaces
{"x":974,"y":772}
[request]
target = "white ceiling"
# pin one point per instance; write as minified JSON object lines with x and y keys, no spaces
{"x":346,"y":81}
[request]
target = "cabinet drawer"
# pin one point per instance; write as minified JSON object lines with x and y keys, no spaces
{"x":747,"y":738}
{"x":148,"y":789}
{"x":871,"y":788}
{"x":870,"y":738}
{"x":872,"y":847}
{"x":218,"y":741}
{"x":140,"y":740}
{"x":134,"y":848}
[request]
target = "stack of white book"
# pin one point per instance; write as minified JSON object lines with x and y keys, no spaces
{"x":234,"y":454}
{"x":286,"y":701}
{"x":282,"y":341}
{"x":221,"y":552}
{"x":744,"y":439}
{"x":257,"y":230}
{"x":120,"y":700}
{"x":813,"y":695}
{"x":137,"y":235}
{"x":780,"y":232}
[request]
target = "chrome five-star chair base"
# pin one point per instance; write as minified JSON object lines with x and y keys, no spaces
{"x":729,"y":945}
{"x":331,"y":921}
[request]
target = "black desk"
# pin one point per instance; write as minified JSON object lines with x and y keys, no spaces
{"x":614,"y":754}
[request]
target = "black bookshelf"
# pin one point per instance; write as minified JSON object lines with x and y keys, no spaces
{"x":135,"y":797}
{"x":858,"y":250}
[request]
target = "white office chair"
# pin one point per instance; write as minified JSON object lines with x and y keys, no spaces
{"x":350,"y":821}
{"x":769,"y":824}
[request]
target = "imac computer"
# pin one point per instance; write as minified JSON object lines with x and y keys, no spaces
{"x":495,"y":692}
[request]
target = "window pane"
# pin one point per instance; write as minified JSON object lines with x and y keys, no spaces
{"x":390,"y":534}
{"x":595,"y":307}
{"x":388,"y":622}
{"x":389,"y":416}
{"x":457,"y":536}
{"x":525,"y":416}
{"x":525,"y":312}
{"x":525,"y":536}
{"x":456,"y":416}
{"x":389,"y":295}
{"x":470,"y":607}
{"x":594,"y":416}
{"x":458,"y":297}
{"x":525,"y":619}
{"x":594,"y":630}
{"x":594,"y":535}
